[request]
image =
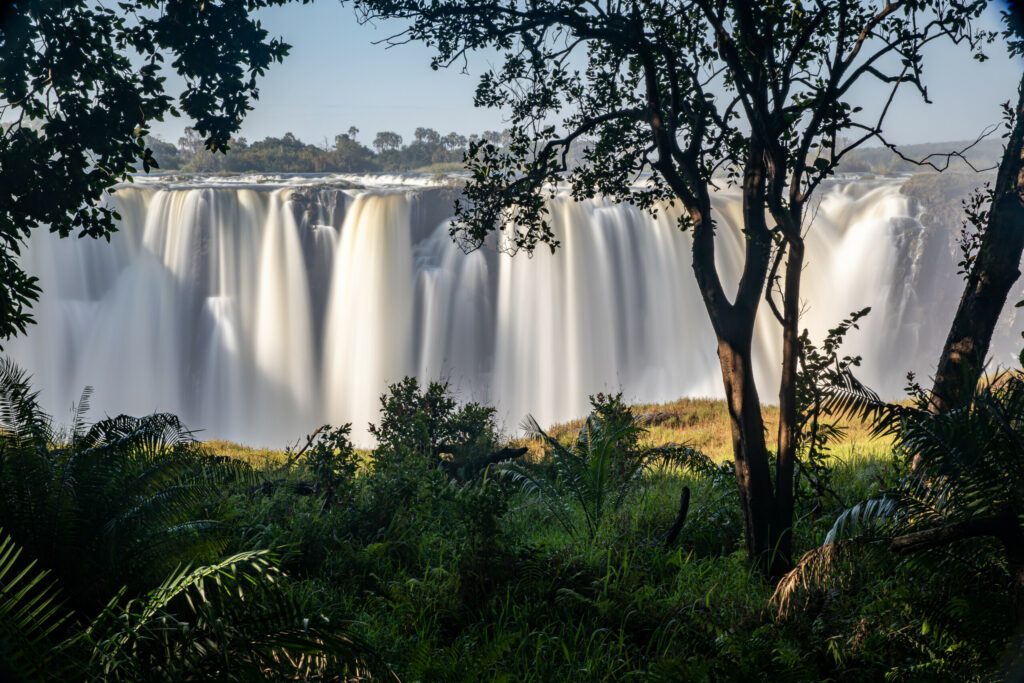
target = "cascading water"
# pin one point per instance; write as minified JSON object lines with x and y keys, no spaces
{"x":258,"y":308}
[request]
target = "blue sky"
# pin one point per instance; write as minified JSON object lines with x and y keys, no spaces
{"x":336,"y":77}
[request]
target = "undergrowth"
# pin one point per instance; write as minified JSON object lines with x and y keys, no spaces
{"x":475,"y":579}
{"x":607,"y":550}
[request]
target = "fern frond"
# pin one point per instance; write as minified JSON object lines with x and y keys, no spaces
{"x":821,"y":569}
{"x":232,"y":620}
{"x":848,"y":398}
{"x":864,"y":519}
{"x":30,"y":614}
{"x":21,"y":418}
{"x":541,"y":490}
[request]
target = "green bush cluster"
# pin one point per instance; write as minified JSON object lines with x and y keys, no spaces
{"x":447,"y":553}
{"x":456,"y":576}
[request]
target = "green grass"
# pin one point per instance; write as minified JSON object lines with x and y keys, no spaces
{"x":528,"y":572}
{"x":453,"y":577}
{"x":442,"y":600}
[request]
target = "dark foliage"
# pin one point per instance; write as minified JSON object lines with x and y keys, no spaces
{"x":112,"y":562}
{"x":80,"y":85}
{"x":451,"y":574}
{"x":954,"y":515}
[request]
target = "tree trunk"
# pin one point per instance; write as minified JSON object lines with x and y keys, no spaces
{"x":785,"y":463}
{"x":994,"y":272}
{"x":749,"y":451}
{"x":734,"y":329}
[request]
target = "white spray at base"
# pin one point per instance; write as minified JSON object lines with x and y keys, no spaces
{"x":260,"y":308}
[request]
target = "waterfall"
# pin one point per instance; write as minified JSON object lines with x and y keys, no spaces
{"x":369,"y":331}
{"x":258,"y":308}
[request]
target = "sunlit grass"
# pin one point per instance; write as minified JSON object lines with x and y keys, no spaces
{"x":703,"y":424}
{"x":261,"y":458}
{"x":257,"y":457}
{"x":700,"y":423}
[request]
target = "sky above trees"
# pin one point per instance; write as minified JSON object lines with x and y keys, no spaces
{"x":335,"y":77}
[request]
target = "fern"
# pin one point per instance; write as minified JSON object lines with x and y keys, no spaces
{"x":30,"y":614}
{"x":597,"y":473}
{"x":233,"y":620}
{"x":967,"y":470}
{"x":120,"y":502}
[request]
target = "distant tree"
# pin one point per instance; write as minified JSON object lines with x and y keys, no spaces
{"x":191,"y":143}
{"x":353,"y":132}
{"x":453,"y":142}
{"x":387,"y":141}
{"x":80,"y":85}
{"x":993,"y":256}
{"x":351,"y":157}
{"x":165,"y":154}
{"x":427,"y":135}
{"x":686,"y":89}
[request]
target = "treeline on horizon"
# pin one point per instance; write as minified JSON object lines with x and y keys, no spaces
{"x":388,"y":151}
{"x":429,"y":150}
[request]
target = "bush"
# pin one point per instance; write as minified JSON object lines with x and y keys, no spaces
{"x":421,"y":553}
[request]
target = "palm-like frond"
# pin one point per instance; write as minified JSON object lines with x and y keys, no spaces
{"x":30,"y":613}
{"x":156,"y":491}
{"x":829,"y":567}
{"x":599,"y":470}
{"x":26,"y":470}
{"x":847,"y":397}
{"x":689,"y":458}
{"x":968,"y":469}
{"x":233,"y":620}
{"x":22,"y":421}
{"x":120,"y":502}
{"x":864,"y":519}
{"x":570,"y":468}
{"x":535,"y":485}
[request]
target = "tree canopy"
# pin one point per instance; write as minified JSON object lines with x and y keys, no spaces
{"x":80,"y":86}
{"x":681,"y":97}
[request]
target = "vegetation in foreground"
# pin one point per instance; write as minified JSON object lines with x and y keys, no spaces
{"x":611,"y":552}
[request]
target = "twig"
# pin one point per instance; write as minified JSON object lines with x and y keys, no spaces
{"x":309,"y":442}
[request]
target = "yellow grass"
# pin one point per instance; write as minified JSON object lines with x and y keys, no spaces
{"x":700,"y":423}
{"x":257,"y":457}
{"x":703,"y":424}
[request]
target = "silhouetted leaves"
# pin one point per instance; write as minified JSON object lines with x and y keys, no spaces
{"x":80,"y":86}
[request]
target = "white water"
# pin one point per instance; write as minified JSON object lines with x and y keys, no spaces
{"x":258,"y":308}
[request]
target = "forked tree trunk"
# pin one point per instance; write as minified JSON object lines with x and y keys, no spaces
{"x":995,"y":269}
{"x":734,"y":327}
